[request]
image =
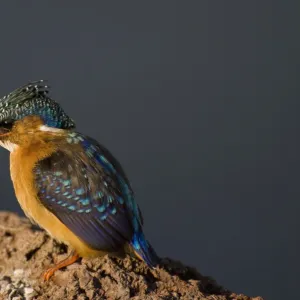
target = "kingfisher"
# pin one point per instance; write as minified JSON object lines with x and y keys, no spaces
{"x":68,"y":183}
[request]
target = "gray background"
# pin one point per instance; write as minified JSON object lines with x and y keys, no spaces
{"x":199,"y":102}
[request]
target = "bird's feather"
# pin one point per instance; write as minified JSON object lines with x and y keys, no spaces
{"x":89,"y":192}
{"x":33,"y":99}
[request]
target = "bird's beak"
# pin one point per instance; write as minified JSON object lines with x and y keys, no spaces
{"x":4,"y":132}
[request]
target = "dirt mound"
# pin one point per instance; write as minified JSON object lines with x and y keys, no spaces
{"x":25,"y":252}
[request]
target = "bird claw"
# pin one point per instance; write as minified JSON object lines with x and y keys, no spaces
{"x":64,"y":263}
{"x":48,"y":274}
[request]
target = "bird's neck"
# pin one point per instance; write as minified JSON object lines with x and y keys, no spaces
{"x":31,"y":135}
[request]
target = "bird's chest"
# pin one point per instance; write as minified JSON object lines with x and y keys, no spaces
{"x":21,"y":171}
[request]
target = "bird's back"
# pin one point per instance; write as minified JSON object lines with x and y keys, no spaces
{"x":85,"y":187}
{"x":65,"y":181}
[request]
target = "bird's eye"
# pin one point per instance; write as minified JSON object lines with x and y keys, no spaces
{"x":5,"y":126}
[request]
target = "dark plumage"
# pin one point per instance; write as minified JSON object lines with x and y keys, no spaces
{"x":70,"y":179}
{"x":87,"y":189}
{"x":32,"y":99}
{"x":85,"y":196}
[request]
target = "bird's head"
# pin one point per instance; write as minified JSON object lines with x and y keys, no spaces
{"x":28,"y":106}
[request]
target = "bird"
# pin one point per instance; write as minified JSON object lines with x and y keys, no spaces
{"x":67,"y":183}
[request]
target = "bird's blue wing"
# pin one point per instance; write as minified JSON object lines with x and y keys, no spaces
{"x":86,"y":189}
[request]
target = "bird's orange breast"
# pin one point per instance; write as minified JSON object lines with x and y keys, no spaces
{"x":22,"y":162}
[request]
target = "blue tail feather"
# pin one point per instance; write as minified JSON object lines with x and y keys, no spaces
{"x":144,"y":250}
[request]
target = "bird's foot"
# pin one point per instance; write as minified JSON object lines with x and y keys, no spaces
{"x":64,"y":263}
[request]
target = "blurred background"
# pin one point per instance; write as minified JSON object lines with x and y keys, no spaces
{"x":199,"y":101}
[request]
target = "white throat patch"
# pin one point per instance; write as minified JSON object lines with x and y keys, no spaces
{"x":50,"y":129}
{"x":11,"y":147}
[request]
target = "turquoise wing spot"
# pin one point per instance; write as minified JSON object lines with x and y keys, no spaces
{"x":72,"y":207}
{"x":102,"y":218}
{"x":80,"y":191}
{"x":66,"y":182}
{"x":101,"y":208}
{"x":84,"y":201}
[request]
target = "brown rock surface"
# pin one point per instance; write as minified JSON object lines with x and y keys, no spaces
{"x":26,"y":252}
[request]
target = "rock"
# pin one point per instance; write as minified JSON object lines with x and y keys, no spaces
{"x":26,"y":252}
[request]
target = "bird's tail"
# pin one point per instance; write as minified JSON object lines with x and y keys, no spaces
{"x":144,"y":250}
